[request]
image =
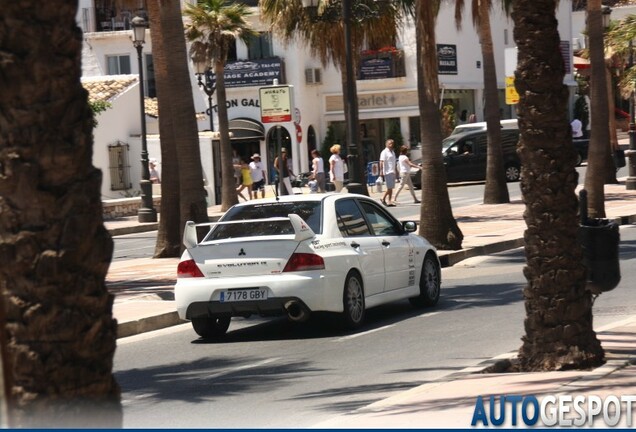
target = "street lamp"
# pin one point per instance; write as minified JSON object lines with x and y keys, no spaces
{"x":355,"y":184}
{"x":146,"y":213}
{"x":201,"y":68}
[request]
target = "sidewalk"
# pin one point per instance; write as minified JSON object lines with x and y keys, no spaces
{"x":143,"y":302}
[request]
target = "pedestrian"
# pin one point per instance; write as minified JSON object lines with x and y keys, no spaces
{"x":258,"y":175}
{"x":284,"y":182}
{"x":387,"y":172}
{"x":318,"y":170}
{"x":236,"y":161}
{"x":154,"y":175}
{"x":336,"y":168}
{"x":577,"y":128}
{"x":405,"y":165}
{"x":246,"y":179}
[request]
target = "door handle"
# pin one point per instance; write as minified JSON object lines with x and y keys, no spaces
{"x":386,"y":243}
{"x":355,"y":245}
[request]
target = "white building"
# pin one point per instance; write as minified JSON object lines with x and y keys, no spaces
{"x":387,"y":86}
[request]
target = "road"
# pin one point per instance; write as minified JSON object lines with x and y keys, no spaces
{"x":274,"y":374}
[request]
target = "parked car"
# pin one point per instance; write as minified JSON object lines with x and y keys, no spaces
{"x":470,"y":127}
{"x":465,"y":157}
{"x":298,"y":254}
{"x":461,"y":166}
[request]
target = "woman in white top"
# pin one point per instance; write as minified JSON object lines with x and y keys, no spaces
{"x":405,"y":171}
{"x":336,"y":164}
{"x":318,"y":170}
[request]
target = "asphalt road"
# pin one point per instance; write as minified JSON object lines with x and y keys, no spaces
{"x":276,"y":374}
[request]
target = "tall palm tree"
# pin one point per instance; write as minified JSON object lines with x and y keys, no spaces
{"x":597,"y":163}
{"x":55,"y":251}
{"x":496,"y":188}
{"x":558,"y":323}
{"x":437,"y":223}
{"x":322,"y":30}
{"x":182,"y":174}
{"x":213,"y":26}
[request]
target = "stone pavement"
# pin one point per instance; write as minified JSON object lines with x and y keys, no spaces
{"x":143,"y":302}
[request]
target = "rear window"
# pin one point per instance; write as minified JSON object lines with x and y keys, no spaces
{"x":309,"y":211}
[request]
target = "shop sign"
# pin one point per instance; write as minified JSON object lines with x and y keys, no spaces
{"x":249,"y":73}
{"x":447,"y":59}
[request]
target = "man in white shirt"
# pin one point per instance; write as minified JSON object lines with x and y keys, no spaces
{"x":258,"y":175}
{"x":387,"y":172}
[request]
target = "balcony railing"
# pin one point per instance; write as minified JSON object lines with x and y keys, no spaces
{"x":385,"y":62}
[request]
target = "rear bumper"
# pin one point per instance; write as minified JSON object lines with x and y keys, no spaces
{"x":201,"y":297}
{"x":269,"y":307}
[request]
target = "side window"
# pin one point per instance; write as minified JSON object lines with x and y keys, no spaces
{"x":351,"y":223}
{"x":380,"y":223}
{"x":481,"y":143}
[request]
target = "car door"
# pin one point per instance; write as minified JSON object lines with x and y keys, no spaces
{"x":357,"y":234}
{"x":398,"y":252}
{"x":479,"y":162}
{"x":460,"y":163}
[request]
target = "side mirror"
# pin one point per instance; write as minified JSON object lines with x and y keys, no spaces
{"x":409,"y":226}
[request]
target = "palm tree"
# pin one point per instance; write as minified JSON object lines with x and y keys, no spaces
{"x":437,"y":223}
{"x":558,"y":323}
{"x":59,"y":336}
{"x":597,"y":164}
{"x":182,"y":180}
{"x":496,"y":188}
{"x":322,"y":29}
{"x":214,"y":25}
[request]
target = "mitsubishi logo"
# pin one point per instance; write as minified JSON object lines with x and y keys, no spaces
{"x":242,"y":252}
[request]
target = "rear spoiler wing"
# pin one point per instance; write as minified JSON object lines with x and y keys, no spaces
{"x":302,"y":231}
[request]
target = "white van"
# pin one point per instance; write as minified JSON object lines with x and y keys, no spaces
{"x":469,"y":127}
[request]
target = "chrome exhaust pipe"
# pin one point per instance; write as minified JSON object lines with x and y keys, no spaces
{"x":296,"y":311}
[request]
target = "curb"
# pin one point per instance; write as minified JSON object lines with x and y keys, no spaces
{"x":152,"y":226}
{"x":148,"y":324}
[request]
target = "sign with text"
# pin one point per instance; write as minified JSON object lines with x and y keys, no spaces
{"x":446,"y":59}
{"x":277,"y":105}
{"x":248,"y":73}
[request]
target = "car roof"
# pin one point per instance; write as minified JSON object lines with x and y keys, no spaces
{"x":460,"y":135}
{"x":332,"y":196}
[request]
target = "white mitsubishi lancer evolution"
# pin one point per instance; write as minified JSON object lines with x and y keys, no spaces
{"x":294,"y":255}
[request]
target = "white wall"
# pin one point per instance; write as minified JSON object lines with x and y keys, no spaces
{"x":120,"y":122}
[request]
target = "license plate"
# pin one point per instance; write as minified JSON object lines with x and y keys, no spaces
{"x":243,"y":295}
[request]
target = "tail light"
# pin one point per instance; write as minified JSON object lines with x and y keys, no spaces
{"x":188,"y":269}
{"x":304,"y":262}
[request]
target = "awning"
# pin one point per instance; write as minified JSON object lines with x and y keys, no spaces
{"x":246,"y":129}
{"x":580,"y":62}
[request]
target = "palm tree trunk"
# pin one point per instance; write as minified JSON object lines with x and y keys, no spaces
{"x":558,"y":324}
{"x":599,"y":138}
{"x":228,"y":188}
{"x":54,"y":248}
{"x":496,"y":188}
{"x":437,"y":223}
{"x":182,"y":181}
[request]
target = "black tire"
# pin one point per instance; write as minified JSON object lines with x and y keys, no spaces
{"x":353,"y":301}
{"x":513,"y":172}
{"x":430,"y":283}
{"x":211,"y":327}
